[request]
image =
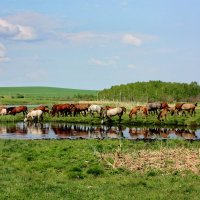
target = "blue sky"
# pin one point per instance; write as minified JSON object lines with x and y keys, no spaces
{"x":93,"y":44}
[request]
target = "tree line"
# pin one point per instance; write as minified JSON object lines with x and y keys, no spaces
{"x":152,"y":91}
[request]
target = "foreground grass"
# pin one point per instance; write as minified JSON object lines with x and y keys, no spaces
{"x":64,"y":169}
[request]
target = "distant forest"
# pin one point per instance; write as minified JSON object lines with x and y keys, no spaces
{"x":152,"y":91}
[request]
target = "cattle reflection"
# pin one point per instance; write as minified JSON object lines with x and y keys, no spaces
{"x":3,"y":129}
{"x":69,"y":131}
{"x":115,"y":132}
{"x":37,"y":129}
{"x":162,"y":133}
{"x":77,"y":131}
{"x":84,"y":131}
{"x":13,"y":129}
{"x":23,"y":129}
{"x":139,"y":133}
{"x":101,"y":132}
{"x":106,"y":132}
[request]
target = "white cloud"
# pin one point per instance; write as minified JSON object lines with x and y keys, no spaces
{"x":25,"y":33}
{"x":16,"y":31}
{"x":131,"y":39}
{"x":104,"y":39}
{"x":131,"y":66}
{"x":86,"y":37}
{"x":33,"y":25}
{"x":104,"y":62}
{"x":44,"y":25}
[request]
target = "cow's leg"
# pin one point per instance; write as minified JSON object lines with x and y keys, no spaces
{"x":120,"y":117}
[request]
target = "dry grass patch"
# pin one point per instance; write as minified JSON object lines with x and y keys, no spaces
{"x":166,"y":160}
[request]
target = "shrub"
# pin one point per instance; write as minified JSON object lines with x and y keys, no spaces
{"x":95,"y":170}
{"x":19,"y":96}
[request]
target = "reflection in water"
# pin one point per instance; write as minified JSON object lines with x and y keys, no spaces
{"x":162,"y":133}
{"x":77,"y":131}
{"x":85,"y":131}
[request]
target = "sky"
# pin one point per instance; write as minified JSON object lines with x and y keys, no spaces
{"x":95,"y":44}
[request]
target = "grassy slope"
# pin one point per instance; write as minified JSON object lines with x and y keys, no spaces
{"x":71,"y":170}
{"x":43,"y":91}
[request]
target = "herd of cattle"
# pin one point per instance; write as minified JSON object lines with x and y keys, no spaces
{"x":160,"y":109}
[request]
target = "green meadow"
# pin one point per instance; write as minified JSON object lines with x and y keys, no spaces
{"x":39,"y":95}
{"x":43,"y":92}
{"x":98,"y":169}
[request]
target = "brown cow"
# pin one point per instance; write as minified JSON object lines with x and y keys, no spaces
{"x":63,"y":109}
{"x":80,"y":108}
{"x":189,"y":107}
{"x":18,"y":109}
{"x":163,"y":114}
{"x":134,"y":111}
{"x":164,"y":105}
{"x":42,"y":107}
{"x":178,"y":107}
{"x":144,"y":111}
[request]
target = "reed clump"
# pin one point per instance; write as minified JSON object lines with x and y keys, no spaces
{"x":165,"y":160}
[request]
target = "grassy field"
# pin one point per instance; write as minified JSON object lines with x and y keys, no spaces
{"x":99,"y":169}
{"x":43,"y":92}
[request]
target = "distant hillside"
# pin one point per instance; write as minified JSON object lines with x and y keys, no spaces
{"x":46,"y":92}
{"x":152,"y":91}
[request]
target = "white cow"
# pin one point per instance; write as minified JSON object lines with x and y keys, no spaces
{"x":35,"y":115}
{"x":3,"y":111}
{"x":95,"y":108}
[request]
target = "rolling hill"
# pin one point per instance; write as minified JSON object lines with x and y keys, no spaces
{"x":44,"y":92}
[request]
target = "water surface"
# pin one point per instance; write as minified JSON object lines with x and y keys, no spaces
{"x":22,"y":130}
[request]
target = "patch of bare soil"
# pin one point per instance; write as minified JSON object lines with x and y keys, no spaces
{"x":165,"y":159}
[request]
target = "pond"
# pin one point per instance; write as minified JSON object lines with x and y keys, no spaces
{"x":22,"y":130}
